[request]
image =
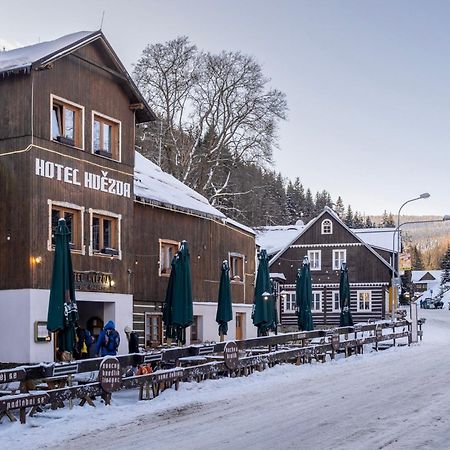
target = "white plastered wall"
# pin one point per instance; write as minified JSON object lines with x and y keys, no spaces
{"x":209,"y":328}
{"x":20,"y":309}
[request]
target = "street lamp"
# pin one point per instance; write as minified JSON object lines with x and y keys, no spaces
{"x":397,"y":230}
{"x":396,"y":263}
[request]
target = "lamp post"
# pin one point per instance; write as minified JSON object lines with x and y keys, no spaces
{"x":397,"y":230}
{"x":396,"y":262}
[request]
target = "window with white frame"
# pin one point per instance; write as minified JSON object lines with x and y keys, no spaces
{"x":316,"y":302}
{"x":289,"y":301}
{"x":339,"y":257}
{"x":327,"y":226}
{"x":74,"y":217}
{"x":236,"y":267}
{"x":335,"y":301}
{"x":315,"y":258}
{"x":167,"y":250}
{"x":105,"y":233}
{"x":67,"y":122}
{"x":106,"y":136}
{"x":364,"y":300}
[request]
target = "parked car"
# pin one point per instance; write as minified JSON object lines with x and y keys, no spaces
{"x":431,"y":303}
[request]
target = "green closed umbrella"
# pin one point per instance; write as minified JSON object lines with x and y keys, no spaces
{"x":224,"y":308}
{"x":178,"y":310}
{"x":303,"y":290}
{"x":263,"y":309}
{"x":62,"y":308}
{"x":345,"y":319}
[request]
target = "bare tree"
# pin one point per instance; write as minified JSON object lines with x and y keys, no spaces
{"x":215,"y":110}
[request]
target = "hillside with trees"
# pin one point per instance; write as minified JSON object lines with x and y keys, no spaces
{"x":218,"y":120}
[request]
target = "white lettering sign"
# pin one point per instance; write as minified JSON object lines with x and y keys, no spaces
{"x":67,"y":174}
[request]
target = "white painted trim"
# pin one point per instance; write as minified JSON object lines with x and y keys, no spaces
{"x":331,"y":285}
{"x":335,"y":251}
{"x":362,"y":291}
{"x":320,"y":293}
{"x":336,"y":244}
{"x":284,"y":294}
{"x":68,"y":206}
{"x":320,"y":259}
{"x":111,"y":119}
{"x":75,"y":105}
{"x":326,"y":222}
{"x":102,"y":212}
{"x":333,"y":309}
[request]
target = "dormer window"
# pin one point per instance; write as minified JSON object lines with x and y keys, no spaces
{"x":327,"y":226}
{"x":106,"y":136}
{"x":66,"y":122}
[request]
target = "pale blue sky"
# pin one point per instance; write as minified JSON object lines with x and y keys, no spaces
{"x":368,"y":82}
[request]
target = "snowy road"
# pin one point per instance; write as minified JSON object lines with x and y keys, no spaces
{"x":396,"y":399}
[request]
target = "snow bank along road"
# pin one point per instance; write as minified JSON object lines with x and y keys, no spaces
{"x":395,"y":399}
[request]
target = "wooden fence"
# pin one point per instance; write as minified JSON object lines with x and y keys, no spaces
{"x":255,"y":354}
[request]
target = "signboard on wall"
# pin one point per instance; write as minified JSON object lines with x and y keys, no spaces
{"x":93,"y":281}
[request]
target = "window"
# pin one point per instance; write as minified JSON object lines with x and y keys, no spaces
{"x":153,"y":330}
{"x":73,"y":215}
{"x":105,"y":233}
{"x":316,"y":303}
{"x":335,"y":299}
{"x":364,"y":300}
{"x":339,"y":257}
{"x":167,"y":250}
{"x":196,"y":330}
{"x":236,"y":267}
{"x":314,"y":257}
{"x":327,"y":226}
{"x":67,"y":122}
{"x":106,"y":137}
{"x":289,"y":301}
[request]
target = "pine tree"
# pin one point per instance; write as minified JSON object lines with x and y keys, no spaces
{"x":357,"y":221}
{"x":445,"y":266}
{"x":368,"y":223}
{"x":416,"y":259}
{"x":339,"y":207}
{"x":349,"y":217}
{"x":309,"y":206}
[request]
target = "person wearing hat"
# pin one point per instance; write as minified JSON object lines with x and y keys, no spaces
{"x":133,"y":340}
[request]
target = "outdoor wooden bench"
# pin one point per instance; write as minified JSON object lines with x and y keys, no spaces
{"x":50,"y":383}
{"x":189,"y":361}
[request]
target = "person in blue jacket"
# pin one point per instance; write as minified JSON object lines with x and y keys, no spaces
{"x":108,"y":340}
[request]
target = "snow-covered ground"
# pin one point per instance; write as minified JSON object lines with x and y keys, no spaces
{"x":396,"y":399}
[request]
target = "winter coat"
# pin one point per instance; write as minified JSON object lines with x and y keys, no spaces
{"x":100,"y":348}
{"x":133,"y":343}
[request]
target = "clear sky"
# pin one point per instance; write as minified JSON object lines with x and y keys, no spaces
{"x":367,"y":82}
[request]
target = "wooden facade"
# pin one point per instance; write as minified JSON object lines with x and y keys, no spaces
{"x":42,"y":176}
{"x":369,"y":273}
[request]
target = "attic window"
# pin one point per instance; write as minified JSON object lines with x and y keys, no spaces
{"x":106,"y":136}
{"x":66,"y":122}
{"x":327,"y":226}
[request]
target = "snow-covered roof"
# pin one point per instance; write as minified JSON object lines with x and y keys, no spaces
{"x":158,"y":187}
{"x":417,"y":275}
{"x":40,"y":55}
{"x":275,"y":238}
{"x":277,"y":276}
{"x":378,"y":237}
{"x":239,"y":225}
{"x":22,"y":58}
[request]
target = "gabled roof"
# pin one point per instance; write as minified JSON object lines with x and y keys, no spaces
{"x":338,"y":219}
{"x":378,"y":237}
{"x":418,"y":276}
{"x":25,"y":59}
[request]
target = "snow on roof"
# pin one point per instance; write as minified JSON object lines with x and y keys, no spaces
{"x":243,"y":227}
{"x":22,"y":58}
{"x":277,"y":276}
{"x":417,"y":275}
{"x":152,"y":184}
{"x":275,"y":238}
{"x":377,"y":237}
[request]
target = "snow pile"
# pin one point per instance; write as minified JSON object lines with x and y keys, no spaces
{"x":22,"y":58}
{"x":276,"y":238}
{"x":152,"y":184}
